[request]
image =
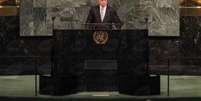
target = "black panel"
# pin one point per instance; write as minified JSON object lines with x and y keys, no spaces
{"x":154,"y":82}
{"x":132,"y":65}
{"x":57,"y":85}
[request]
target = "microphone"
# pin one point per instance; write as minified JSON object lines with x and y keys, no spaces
{"x":53,"y":53}
{"x":53,"y":19}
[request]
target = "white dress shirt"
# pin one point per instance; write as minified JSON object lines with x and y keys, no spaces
{"x":102,"y":12}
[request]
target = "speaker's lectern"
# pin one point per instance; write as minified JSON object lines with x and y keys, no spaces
{"x":99,"y":60}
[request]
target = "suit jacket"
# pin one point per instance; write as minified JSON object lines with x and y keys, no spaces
{"x":110,"y":21}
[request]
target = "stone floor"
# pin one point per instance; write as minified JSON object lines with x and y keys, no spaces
{"x":180,"y":86}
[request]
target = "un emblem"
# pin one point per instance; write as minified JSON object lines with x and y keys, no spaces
{"x":100,"y":37}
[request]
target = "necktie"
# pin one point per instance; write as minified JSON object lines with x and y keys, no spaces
{"x":102,"y":13}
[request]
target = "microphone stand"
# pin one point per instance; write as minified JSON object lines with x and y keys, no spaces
{"x":53,"y":49}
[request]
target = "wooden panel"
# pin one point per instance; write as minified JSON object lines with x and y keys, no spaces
{"x":190,"y":11}
{"x":8,"y":10}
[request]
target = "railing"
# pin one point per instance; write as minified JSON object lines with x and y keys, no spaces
{"x":178,"y":62}
{"x":169,"y":62}
{"x":34,"y":61}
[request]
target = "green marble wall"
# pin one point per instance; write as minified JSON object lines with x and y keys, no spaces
{"x":161,"y":17}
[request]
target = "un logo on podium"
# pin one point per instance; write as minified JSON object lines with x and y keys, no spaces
{"x":100,"y":37}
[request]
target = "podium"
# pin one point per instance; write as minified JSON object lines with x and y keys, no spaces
{"x":100,"y":60}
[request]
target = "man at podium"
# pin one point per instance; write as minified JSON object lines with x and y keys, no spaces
{"x":102,"y":16}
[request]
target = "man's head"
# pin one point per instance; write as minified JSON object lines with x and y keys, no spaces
{"x":103,"y":3}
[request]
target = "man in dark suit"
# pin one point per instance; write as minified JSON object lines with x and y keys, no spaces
{"x":103,"y":16}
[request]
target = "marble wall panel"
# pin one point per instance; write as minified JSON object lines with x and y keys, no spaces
{"x":184,"y":52}
{"x":26,"y":18}
{"x":16,"y":52}
{"x":161,"y":17}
